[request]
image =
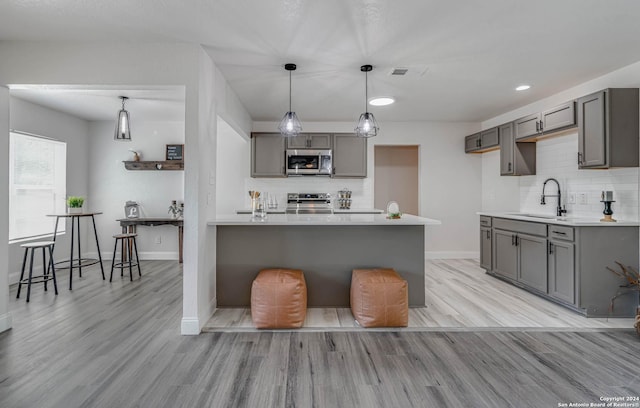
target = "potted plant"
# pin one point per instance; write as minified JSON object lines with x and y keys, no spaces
{"x":74,"y":205}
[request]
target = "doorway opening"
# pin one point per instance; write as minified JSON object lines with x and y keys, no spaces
{"x":396,"y":177}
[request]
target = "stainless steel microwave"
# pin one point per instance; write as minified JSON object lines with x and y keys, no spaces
{"x":306,"y":162}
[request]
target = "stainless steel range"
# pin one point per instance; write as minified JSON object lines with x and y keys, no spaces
{"x":309,"y":203}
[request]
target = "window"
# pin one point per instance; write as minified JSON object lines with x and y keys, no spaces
{"x":37,"y":185}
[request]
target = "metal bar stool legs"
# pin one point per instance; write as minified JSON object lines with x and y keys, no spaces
{"x":128,"y":247}
{"x":48,"y":268}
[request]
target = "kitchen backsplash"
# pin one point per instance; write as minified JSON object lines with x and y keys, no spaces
{"x":362,"y":191}
{"x":557,"y":157}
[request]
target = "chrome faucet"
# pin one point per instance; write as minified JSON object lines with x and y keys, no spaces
{"x":559,"y":210}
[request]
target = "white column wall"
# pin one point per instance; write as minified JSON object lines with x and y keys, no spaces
{"x":23,"y":62}
{"x":5,"y":315}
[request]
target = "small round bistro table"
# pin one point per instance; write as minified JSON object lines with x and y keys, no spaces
{"x":79,"y":262}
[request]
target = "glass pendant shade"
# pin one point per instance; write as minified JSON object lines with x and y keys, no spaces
{"x":123,"y":132}
{"x":290,"y":126}
{"x":367,"y":125}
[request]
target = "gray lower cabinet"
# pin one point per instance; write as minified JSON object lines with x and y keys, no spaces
{"x":267,"y":155}
{"x":485,"y":248}
{"x":349,"y":155}
{"x":505,"y":254}
{"x":516,"y":159}
{"x":310,"y":141}
{"x":532,"y":261}
{"x":562,"y":274}
{"x":608,"y":129}
{"x":567,"y":264}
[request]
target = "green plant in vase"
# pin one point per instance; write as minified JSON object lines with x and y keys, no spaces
{"x":74,"y":204}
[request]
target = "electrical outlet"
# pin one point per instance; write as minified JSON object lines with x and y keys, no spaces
{"x":572,"y":198}
{"x":582,"y":198}
{"x":158,"y":240}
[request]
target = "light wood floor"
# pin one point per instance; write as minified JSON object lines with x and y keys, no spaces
{"x":118,"y":345}
{"x":460,"y":296}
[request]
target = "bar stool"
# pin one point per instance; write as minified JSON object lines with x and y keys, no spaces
{"x":45,"y":277}
{"x":126,"y":241}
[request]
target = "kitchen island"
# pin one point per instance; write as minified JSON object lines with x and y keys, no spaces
{"x":325,"y":247}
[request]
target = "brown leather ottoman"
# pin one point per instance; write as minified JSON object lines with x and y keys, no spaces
{"x":279,"y":299}
{"x":379,"y":298}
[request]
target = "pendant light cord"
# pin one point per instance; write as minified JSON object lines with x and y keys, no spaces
{"x":366,"y":91}
{"x":289,"y":91}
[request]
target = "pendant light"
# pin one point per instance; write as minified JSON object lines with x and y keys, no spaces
{"x":123,"y":132}
{"x":367,"y":125}
{"x":290,"y":126}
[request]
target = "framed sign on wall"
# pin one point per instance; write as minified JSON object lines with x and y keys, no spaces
{"x":175,"y":152}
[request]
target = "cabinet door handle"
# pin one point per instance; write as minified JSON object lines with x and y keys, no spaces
{"x":579,"y":158}
{"x":513,"y":239}
{"x":509,"y":167}
{"x":334,"y":170}
{"x":541,"y":127}
{"x":517,"y":240}
{"x":537,"y":126}
{"x":550,"y":248}
{"x":488,"y":234}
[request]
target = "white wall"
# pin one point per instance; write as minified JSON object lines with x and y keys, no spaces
{"x":450,"y":180}
{"x":232,"y":169}
{"x":31,"y":118}
{"x":556,"y":157}
{"x":111,"y":185}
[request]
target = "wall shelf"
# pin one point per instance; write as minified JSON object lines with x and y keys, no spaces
{"x":154,"y":165}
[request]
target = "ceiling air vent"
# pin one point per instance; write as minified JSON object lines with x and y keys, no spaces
{"x":399,"y":71}
{"x":409,"y":71}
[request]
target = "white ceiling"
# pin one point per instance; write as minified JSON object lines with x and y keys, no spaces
{"x":475,"y":52}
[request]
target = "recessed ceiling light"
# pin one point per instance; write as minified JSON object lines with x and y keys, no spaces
{"x":523,"y":87}
{"x":382,"y":101}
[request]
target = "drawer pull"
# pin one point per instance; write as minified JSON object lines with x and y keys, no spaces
{"x":559,"y":233}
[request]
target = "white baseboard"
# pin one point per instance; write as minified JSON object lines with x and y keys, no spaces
{"x":144,"y":255}
{"x":5,"y":322}
{"x":190,"y":326}
{"x":451,"y":255}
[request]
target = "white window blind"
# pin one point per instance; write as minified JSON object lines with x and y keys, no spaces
{"x":37,"y":185}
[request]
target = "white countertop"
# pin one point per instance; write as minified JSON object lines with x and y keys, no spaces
{"x":335,"y":211}
{"x":568,"y":220}
{"x":322,"y":219}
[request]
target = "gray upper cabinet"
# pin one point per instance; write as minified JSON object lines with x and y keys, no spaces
{"x":481,"y":142}
{"x":310,"y":141}
{"x":349,"y":156}
{"x":472,"y":143}
{"x":558,"y":118}
{"x":516,"y":159}
{"x":608,"y":129}
{"x":267,"y":155}
{"x":526,"y":127}
{"x":552,"y":120}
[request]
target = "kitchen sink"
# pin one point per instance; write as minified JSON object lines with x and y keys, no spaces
{"x":544,"y":217}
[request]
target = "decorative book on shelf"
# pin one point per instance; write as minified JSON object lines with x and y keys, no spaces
{"x":154,"y":165}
